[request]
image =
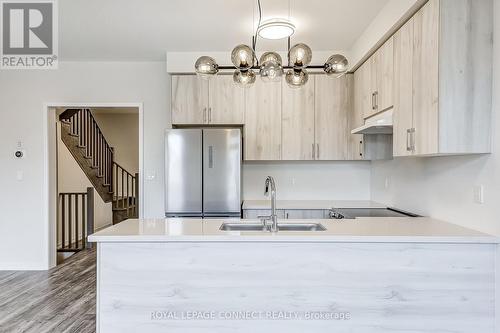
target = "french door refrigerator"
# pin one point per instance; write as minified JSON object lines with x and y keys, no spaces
{"x":203,"y":172}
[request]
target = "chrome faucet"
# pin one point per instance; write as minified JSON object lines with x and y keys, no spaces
{"x":271,"y":187}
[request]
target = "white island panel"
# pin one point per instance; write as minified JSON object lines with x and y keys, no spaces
{"x":359,"y":287}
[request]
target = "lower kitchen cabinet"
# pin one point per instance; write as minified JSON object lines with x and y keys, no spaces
{"x":306,"y":213}
{"x":288,"y":213}
{"x":255,"y":213}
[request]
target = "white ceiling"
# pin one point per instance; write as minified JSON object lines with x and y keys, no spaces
{"x":145,"y":30}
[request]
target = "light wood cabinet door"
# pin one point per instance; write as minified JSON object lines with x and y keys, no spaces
{"x":381,"y":69}
{"x":385,"y":76}
{"x":189,"y":100}
{"x":298,"y":122}
{"x":226,"y":101}
{"x":332,"y":103}
{"x":355,"y":118}
{"x":305,"y":214}
{"x":255,"y":213}
{"x":363,"y":90}
{"x":403,"y":90}
{"x":426,"y":79}
{"x":262,"y":134}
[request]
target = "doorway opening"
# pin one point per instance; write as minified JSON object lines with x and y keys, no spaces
{"x":94,"y":172}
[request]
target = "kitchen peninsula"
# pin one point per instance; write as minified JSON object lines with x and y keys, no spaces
{"x":362,"y":275}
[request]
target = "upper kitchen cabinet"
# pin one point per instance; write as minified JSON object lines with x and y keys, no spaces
{"x":262,"y":133}
{"x":333,"y":105}
{"x":298,"y":121}
{"x":374,"y":82}
{"x":382,"y":77}
{"x":226,"y":101}
{"x":189,"y":100}
{"x":403,"y":89}
{"x":363,"y":94}
{"x":449,"y":43}
{"x":215,"y":101}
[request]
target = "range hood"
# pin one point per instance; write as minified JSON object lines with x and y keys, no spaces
{"x":378,"y":124}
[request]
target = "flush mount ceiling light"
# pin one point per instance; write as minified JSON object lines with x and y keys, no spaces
{"x":270,"y":67}
{"x":276,"y":29}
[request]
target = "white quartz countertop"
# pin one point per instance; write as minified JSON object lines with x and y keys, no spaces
{"x":370,"y":229}
{"x":311,"y":204}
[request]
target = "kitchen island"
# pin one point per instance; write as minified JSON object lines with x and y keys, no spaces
{"x":363,"y":275}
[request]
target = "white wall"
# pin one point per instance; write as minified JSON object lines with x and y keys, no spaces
{"x":309,"y":180}
{"x":442,"y":187}
{"x":23,"y":231}
{"x":121,"y":130}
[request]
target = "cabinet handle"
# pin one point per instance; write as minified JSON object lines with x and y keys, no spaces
{"x":313,"y":152}
{"x":204,"y":115}
{"x":286,"y":216}
{"x":408,"y":144}
{"x":209,"y":115}
{"x":413,"y":139}
{"x":373,"y":101}
{"x":376,"y":100}
{"x":410,"y":139}
{"x":317,"y":151}
{"x":360,"y":148}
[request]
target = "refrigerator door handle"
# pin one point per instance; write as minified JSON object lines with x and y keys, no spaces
{"x":211,"y":157}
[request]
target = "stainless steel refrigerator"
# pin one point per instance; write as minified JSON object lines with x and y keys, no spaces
{"x":203,"y":172}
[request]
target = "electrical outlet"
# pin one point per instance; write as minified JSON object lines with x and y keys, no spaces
{"x":478,"y":194}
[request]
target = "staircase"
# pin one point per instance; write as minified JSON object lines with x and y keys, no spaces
{"x":86,"y":142}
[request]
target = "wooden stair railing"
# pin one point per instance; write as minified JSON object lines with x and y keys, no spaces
{"x":125,"y":191}
{"x":81,"y":134}
{"x":90,"y":138}
{"x":75,"y":220}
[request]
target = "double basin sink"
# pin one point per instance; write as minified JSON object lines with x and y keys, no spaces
{"x":281,"y":227}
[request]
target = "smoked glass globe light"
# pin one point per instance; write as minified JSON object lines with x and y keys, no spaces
{"x":244,"y":78}
{"x":336,"y":64}
{"x":271,"y":69}
{"x":243,"y":57}
{"x":206,"y":66}
{"x":300,"y":56}
{"x":296,"y":78}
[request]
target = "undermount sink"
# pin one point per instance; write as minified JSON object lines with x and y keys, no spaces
{"x":281,"y":227}
{"x":301,"y":227}
{"x":242,"y":227}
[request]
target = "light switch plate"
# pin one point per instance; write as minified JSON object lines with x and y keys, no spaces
{"x":479,"y":194}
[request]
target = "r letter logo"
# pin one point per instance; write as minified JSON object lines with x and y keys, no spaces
{"x":29,"y":34}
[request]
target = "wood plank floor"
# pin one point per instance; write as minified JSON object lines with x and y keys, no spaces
{"x":59,"y":300}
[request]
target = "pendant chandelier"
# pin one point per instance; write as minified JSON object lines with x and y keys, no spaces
{"x":270,"y":66}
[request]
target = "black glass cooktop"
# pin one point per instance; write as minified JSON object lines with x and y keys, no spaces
{"x":351,"y":213}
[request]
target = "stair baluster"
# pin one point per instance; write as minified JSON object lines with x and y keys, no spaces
{"x":96,"y":157}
